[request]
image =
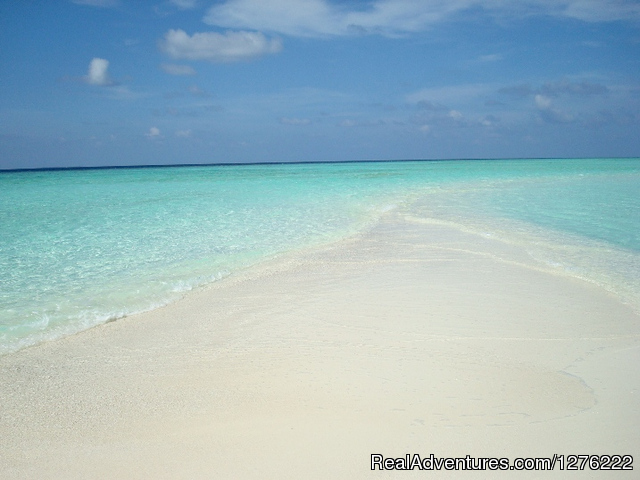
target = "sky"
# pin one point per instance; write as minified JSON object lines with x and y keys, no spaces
{"x":124,"y":82}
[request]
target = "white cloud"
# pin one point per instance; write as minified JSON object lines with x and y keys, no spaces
{"x":550,"y":114}
{"x":320,"y":18}
{"x":489,"y":120}
{"x":154,"y":132}
{"x":98,"y":74}
{"x":217,"y":47}
{"x":183,"y":133}
{"x":543,"y":102}
{"x":313,"y":18}
{"x":175,"y":69}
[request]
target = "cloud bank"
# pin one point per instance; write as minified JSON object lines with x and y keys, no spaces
{"x":312,"y":18}
{"x":218,"y":47}
{"x":321,"y":18}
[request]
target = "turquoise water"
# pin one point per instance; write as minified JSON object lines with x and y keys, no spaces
{"x":82,"y":247}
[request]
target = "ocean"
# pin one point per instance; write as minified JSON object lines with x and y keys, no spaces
{"x":83,"y":247}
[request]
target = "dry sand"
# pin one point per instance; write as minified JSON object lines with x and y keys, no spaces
{"x":412,"y":338}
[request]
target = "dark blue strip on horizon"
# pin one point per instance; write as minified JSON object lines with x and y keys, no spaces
{"x":174,"y":165}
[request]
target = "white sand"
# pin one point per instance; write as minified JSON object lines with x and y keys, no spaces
{"x":414,"y":338}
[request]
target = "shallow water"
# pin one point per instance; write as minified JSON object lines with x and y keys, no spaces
{"x":82,"y":247}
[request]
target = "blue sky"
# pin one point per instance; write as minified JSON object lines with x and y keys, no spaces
{"x":123,"y":82}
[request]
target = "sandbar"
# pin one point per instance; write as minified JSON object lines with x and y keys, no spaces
{"x":411,"y":338}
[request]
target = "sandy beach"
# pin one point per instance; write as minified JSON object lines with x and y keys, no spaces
{"x":413,"y":338}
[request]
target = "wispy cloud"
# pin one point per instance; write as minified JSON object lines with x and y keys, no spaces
{"x":571,"y":100}
{"x":98,"y":73}
{"x":175,"y":69}
{"x":573,"y":88}
{"x":347,"y":123}
{"x":185,"y":4}
{"x":154,"y":132}
{"x":350,"y":123}
{"x":554,"y":89}
{"x":196,"y":91}
{"x":455,"y":115}
{"x":494,"y":57}
{"x":428,"y":119}
{"x":600,"y":10}
{"x":122,"y":92}
{"x":439,"y":96}
{"x":317,"y":18}
{"x":310,"y":18}
{"x":550,"y":114}
{"x":543,"y":103}
{"x":218,"y":47}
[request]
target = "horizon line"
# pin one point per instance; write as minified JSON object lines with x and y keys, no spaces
{"x":298,"y":162}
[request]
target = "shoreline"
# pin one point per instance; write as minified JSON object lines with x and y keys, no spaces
{"x":108,"y":270}
{"x":266,"y":262}
{"x":409,"y":338}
